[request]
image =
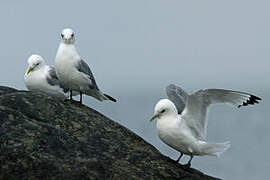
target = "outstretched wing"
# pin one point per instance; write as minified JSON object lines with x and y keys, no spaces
{"x":178,"y":96}
{"x":84,"y":68}
{"x":195,"y":111}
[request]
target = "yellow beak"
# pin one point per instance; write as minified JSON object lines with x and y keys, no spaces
{"x":153,"y":117}
{"x":67,"y":41}
{"x":29,"y":70}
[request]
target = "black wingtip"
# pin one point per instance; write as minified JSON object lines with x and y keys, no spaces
{"x":110,"y":98}
{"x":255,"y":97}
{"x":252,"y":100}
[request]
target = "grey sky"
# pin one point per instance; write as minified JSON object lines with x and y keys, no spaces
{"x":136,"y":48}
{"x":150,"y":42}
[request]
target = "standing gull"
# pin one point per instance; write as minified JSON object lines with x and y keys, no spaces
{"x":73,"y":72}
{"x":182,"y":119}
{"x":42,"y":78}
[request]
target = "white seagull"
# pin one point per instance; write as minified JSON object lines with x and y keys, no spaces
{"x":182,"y":119}
{"x":41,"y":77}
{"x":72,"y":70}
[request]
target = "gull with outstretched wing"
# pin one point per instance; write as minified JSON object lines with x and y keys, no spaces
{"x":182,"y":119}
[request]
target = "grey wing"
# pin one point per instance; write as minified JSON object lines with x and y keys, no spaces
{"x":195,"y":113}
{"x":178,"y":96}
{"x":53,"y":80}
{"x":84,"y":68}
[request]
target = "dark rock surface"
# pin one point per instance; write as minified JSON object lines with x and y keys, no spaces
{"x":43,"y":138}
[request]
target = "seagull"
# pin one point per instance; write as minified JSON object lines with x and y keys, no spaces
{"x":182,"y":119}
{"x":41,"y":77}
{"x":73,"y":72}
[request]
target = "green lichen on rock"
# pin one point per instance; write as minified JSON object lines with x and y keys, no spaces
{"x":44,"y":138}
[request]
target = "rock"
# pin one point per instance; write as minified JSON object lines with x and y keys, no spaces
{"x":44,"y":138}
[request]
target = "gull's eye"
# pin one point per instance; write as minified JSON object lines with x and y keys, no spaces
{"x":62,"y":35}
{"x":37,"y":64}
{"x":72,"y":35}
{"x":162,"y":111}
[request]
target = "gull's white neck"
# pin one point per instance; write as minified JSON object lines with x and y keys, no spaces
{"x":67,"y":51}
{"x":70,"y":47}
{"x":168,"y":120}
{"x":37,"y":72}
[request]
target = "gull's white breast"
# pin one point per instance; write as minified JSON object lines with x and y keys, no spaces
{"x":35,"y":80}
{"x":65,"y":65}
{"x":174,"y":133}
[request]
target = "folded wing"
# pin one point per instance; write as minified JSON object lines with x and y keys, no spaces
{"x":53,"y":80}
{"x":84,"y":68}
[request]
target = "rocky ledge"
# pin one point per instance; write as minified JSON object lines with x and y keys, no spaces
{"x":43,"y":138}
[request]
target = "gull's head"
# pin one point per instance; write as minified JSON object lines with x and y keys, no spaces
{"x":35,"y":62}
{"x":164,"y":108}
{"x":67,"y":36}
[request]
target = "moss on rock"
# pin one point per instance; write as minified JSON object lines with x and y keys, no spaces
{"x":44,"y":138}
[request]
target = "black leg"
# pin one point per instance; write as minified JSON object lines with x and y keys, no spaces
{"x":189,"y":162}
{"x":70,"y":96}
{"x":181,"y":154}
{"x":80,"y":97}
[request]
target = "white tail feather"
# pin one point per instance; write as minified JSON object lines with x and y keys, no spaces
{"x":214,"y":149}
